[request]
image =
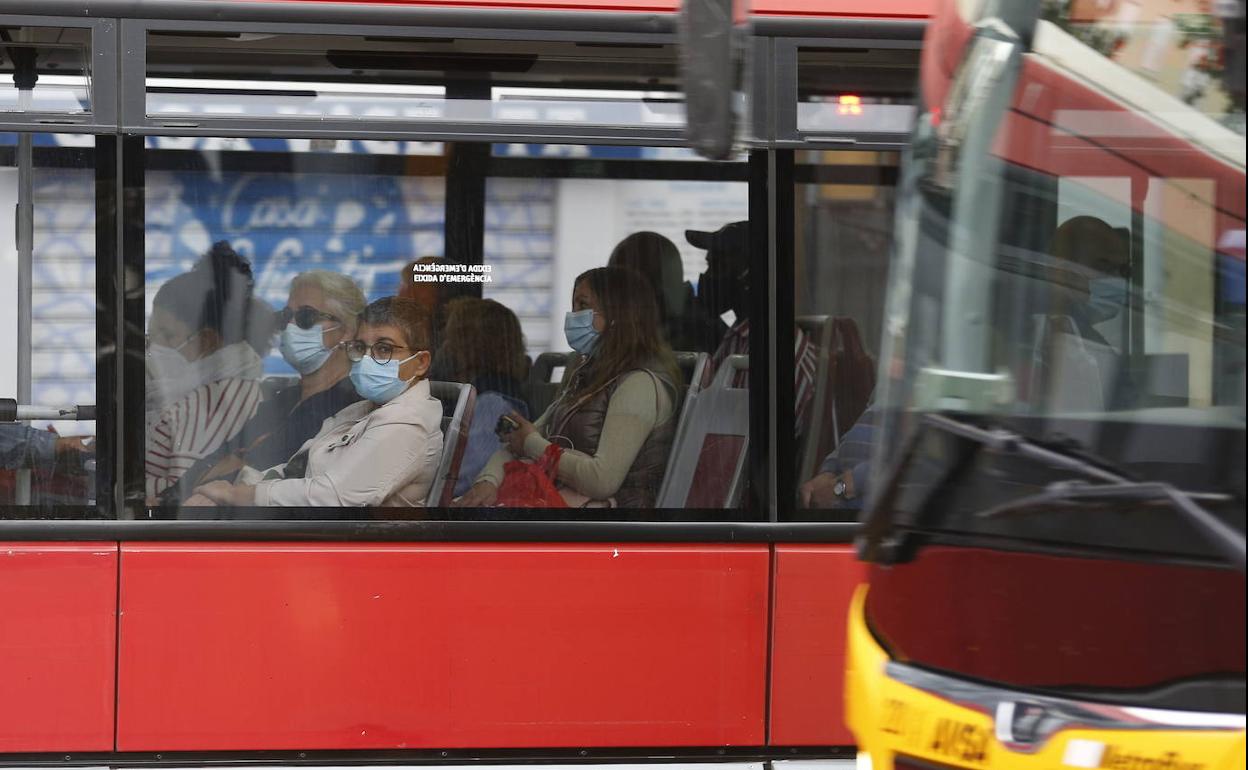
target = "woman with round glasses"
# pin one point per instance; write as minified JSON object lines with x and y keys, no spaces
{"x":322,"y":311}
{"x":381,"y":451}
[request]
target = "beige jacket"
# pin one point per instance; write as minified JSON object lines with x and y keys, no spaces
{"x":366,"y":455}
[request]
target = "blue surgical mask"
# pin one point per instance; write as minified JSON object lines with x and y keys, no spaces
{"x":305,"y":349}
{"x":379,"y":382}
{"x":1108,"y":298}
{"x":578,"y":327}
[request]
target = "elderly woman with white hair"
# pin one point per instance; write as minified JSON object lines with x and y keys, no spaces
{"x":321,"y":312}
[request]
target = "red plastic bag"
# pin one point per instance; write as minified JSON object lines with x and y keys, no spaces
{"x":532,"y":484}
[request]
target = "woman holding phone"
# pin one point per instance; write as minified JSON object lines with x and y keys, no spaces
{"x":616,"y":418}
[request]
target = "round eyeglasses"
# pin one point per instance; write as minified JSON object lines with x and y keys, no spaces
{"x":381,"y":352}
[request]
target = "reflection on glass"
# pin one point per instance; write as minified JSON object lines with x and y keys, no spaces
{"x":1178,"y":48}
{"x":845,"y":218}
{"x":47,"y":459}
{"x":460,"y":80}
{"x":856,"y":91}
{"x":583,"y":326}
{"x":1077,"y":281}
{"x":45,"y":69}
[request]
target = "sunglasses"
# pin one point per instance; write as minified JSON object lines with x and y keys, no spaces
{"x":304,"y":316}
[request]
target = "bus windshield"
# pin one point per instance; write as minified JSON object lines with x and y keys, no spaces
{"x":1070,"y":267}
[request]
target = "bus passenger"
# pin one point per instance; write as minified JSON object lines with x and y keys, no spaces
{"x":203,"y":363}
{"x":485,"y":348}
{"x":725,"y":286}
{"x":22,"y":446}
{"x":615,"y":419}
{"x":1102,"y":256}
{"x":321,"y":312}
{"x":380,"y":451}
{"x":842,"y":478}
{"x":684,"y":324}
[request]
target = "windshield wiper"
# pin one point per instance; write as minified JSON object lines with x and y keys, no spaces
{"x":1220,"y":535}
{"x":878,"y":543}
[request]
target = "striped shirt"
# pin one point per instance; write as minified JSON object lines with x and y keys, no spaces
{"x":195,"y":426}
{"x":737,"y":341}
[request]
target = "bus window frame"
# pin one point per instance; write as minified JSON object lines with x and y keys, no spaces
{"x":102,"y":77}
{"x":120,"y":168}
{"x":135,"y":119}
{"x":785,"y":82}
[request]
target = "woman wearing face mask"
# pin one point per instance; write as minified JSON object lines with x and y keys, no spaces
{"x":203,"y":370}
{"x":381,"y":451}
{"x":616,"y":418}
{"x":321,"y":312}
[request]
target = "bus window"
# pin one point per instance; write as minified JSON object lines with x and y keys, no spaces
{"x":856,"y":92}
{"x":45,"y":70}
{"x":1082,"y":291}
{"x":378,"y":80}
{"x":343,"y":329}
{"x":47,"y":294}
{"x":844,"y":205}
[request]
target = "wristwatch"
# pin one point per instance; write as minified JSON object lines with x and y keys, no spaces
{"x":843,"y":488}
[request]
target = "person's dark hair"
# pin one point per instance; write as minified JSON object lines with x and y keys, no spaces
{"x":407,"y":315}
{"x":632,"y":338}
{"x":216,"y":294}
{"x":658,"y":260}
{"x":261,"y":326}
{"x":483,"y":336}
{"x":1091,"y":242}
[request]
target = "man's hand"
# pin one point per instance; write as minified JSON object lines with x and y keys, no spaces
{"x":73,"y":445}
{"x":820,"y":492}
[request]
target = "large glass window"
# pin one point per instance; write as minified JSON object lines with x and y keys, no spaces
{"x":45,"y":69}
{"x":372,"y":330}
{"x":48,"y":309}
{"x":843,"y":239}
{"x":856,"y":91}
{"x":1074,"y":274}
{"x":369,"y":78}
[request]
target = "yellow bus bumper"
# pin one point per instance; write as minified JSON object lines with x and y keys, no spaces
{"x":899,"y":727}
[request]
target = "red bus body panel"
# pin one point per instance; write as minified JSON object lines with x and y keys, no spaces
{"x":1044,"y":133}
{"x":813,"y":588}
{"x":389,"y":646}
{"x":58,"y":636}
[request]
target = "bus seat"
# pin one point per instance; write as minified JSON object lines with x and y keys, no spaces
{"x":707,"y":466}
{"x":459,"y":401}
{"x":819,"y":329}
{"x":692,"y":365}
{"x":692,"y":368}
{"x":542,"y":387}
{"x":844,"y":382}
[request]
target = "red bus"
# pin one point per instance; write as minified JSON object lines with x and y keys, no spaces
{"x":179,"y":173}
{"x":1056,"y":541}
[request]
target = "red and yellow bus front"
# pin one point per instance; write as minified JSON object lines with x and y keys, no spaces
{"x":1056,"y":515}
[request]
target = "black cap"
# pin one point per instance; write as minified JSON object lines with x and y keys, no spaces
{"x":734,"y":236}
